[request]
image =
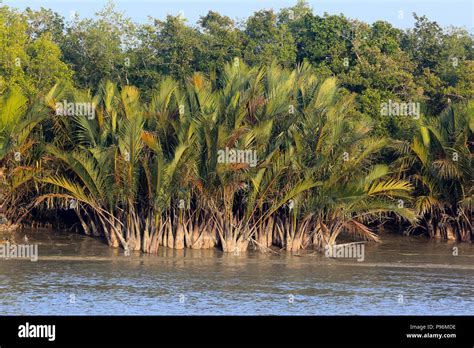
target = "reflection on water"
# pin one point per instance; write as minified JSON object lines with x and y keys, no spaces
{"x":79,"y":275}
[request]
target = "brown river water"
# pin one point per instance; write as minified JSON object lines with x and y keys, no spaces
{"x":79,"y":275}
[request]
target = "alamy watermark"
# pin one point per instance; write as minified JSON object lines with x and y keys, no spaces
{"x":228,"y":156}
{"x":346,"y":251}
{"x":75,"y":109}
{"x":37,"y":331}
{"x":19,"y":251}
{"x":393,"y":108}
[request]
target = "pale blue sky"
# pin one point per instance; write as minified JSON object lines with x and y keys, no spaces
{"x":445,"y":12}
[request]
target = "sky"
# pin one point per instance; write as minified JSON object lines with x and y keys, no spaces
{"x":398,"y":12}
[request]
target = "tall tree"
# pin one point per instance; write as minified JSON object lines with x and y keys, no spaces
{"x":266,"y":40}
{"x":96,"y":48}
{"x":33,"y":64}
{"x":221,"y":42}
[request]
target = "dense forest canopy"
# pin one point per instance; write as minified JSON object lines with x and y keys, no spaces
{"x":377,"y":61}
{"x":352,"y":122}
